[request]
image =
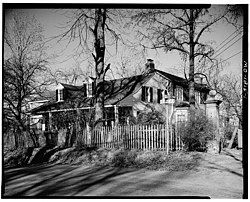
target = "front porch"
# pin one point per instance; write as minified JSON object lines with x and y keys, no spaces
{"x":62,"y":118}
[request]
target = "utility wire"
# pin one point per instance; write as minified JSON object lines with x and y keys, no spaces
{"x":229,"y":37}
{"x":227,"y":42}
{"x":227,"y":47}
{"x":227,"y":58}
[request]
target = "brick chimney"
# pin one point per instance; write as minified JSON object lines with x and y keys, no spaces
{"x":150,"y":66}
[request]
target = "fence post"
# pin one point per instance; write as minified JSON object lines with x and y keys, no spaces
{"x":144,"y":137}
{"x":167,"y":136}
{"x":140,"y":137}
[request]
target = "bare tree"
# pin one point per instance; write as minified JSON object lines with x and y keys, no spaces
{"x":230,"y":89}
{"x":74,"y":76}
{"x":89,"y":27}
{"x":128,"y":63}
{"x":24,"y":68}
{"x":181,"y":30}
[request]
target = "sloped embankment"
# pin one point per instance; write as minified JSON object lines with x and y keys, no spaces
{"x":153,"y":160}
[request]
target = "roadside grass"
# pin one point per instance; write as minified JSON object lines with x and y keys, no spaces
{"x":119,"y":157}
{"x":152,"y":160}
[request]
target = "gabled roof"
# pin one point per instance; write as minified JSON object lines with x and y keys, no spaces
{"x":115,"y":91}
{"x":183,"y":82}
{"x":72,"y":87}
{"x":118,"y":89}
{"x":46,"y":95}
{"x":176,"y":79}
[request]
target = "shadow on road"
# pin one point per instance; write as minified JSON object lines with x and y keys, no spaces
{"x":68,"y":180}
{"x":230,"y":154}
{"x":223,"y":163}
{"x":57,"y":180}
{"x":222,"y":168}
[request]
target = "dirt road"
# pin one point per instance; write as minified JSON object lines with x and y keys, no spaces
{"x":216,"y":176}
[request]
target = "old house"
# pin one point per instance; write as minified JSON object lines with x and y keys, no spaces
{"x":126,"y":97}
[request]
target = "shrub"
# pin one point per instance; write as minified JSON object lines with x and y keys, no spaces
{"x":150,"y":159}
{"x":153,"y":117}
{"x":124,"y":158}
{"x":196,"y":132}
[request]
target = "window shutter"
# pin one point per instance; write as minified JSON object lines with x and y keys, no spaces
{"x":64,"y":94}
{"x":56,"y":95}
{"x":159,"y":96}
{"x":93,"y":88}
{"x":151,"y":94}
{"x":143,"y":94}
{"x":84,"y":89}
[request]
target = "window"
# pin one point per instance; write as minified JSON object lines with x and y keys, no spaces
{"x":89,"y":89}
{"x":197,"y":97}
{"x":162,"y":96}
{"x":151,"y":92}
{"x":179,"y":93}
{"x":147,"y":94}
{"x":143,"y":94}
{"x":159,"y":95}
{"x":59,"y":95}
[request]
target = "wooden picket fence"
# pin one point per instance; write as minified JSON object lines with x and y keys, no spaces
{"x":142,"y":137}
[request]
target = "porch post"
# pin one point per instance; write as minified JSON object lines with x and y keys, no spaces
{"x":169,"y":112}
{"x":50,"y":121}
{"x":43,"y":122}
{"x":116,"y":114}
{"x":88,"y":133}
{"x":78,"y":125}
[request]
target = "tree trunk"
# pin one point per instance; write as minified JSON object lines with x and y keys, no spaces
{"x":191,"y":62}
{"x":232,"y":139}
{"x":34,"y":137}
{"x":16,"y":135}
{"x":100,"y":17}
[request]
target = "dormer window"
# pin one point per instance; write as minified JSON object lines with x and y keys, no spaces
{"x":90,"y":87}
{"x":60,"y":93}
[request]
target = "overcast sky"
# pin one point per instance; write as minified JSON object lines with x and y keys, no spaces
{"x":170,"y":62}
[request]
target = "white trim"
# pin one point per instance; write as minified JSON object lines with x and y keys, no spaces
{"x":87,"y":89}
{"x":59,"y":86}
{"x":58,"y":95}
{"x":38,"y":101}
{"x":71,"y":109}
